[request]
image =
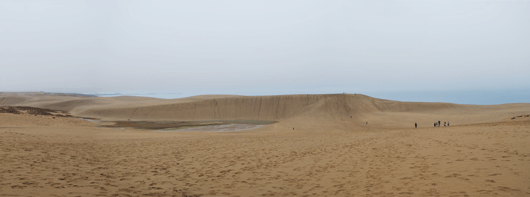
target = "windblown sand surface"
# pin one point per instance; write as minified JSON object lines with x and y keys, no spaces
{"x":330,"y":152}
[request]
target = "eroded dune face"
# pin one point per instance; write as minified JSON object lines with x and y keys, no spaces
{"x":330,"y":152}
{"x":303,"y":111}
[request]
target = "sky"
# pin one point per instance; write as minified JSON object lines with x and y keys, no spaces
{"x":380,"y":48}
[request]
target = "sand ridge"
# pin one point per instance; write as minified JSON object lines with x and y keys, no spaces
{"x":343,"y":109}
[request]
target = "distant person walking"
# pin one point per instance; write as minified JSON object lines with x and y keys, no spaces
{"x":438,"y":123}
{"x":445,"y":124}
{"x":434,"y":124}
{"x":448,"y":123}
{"x":415,"y":125}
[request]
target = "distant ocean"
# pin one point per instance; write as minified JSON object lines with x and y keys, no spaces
{"x":153,"y":95}
{"x":476,"y":97}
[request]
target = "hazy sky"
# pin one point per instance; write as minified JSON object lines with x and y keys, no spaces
{"x":263,"y":47}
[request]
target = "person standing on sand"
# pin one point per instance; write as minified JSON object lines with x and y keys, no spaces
{"x":445,"y":124}
{"x":434,"y":124}
{"x":438,"y":123}
{"x":415,"y":125}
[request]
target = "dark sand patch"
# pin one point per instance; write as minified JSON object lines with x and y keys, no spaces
{"x":174,"y":125}
{"x":216,"y":128}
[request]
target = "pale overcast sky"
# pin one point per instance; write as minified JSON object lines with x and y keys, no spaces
{"x":263,"y":47}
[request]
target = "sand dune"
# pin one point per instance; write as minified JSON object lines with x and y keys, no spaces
{"x":344,"y":109}
{"x":331,"y":152}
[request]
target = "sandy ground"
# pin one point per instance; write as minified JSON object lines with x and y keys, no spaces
{"x":43,"y":156}
{"x":474,"y":160}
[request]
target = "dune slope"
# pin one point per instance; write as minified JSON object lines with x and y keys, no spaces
{"x":306,"y":111}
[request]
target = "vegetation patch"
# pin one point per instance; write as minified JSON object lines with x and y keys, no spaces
{"x":521,"y":116}
{"x":33,"y":111}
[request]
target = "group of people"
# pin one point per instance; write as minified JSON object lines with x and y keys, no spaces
{"x":438,"y":124}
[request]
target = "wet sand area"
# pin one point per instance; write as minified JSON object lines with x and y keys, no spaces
{"x":231,"y":127}
{"x":209,"y":125}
